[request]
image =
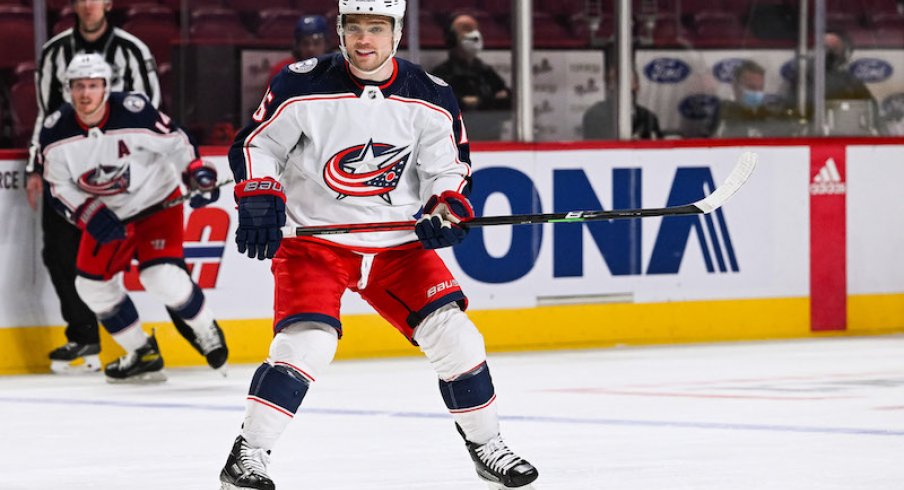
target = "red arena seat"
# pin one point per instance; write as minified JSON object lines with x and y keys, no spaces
{"x":17,"y":35}
{"x":217,"y":23}
{"x":158,"y":34}
{"x":23,"y":105}
{"x":278,"y":23}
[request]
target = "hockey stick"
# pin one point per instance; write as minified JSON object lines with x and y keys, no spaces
{"x":160,"y":206}
{"x":740,"y":173}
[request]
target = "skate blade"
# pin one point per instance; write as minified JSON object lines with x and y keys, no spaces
{"x":143,"y":378}
{"x":499,"y":486}
{"x":229,"y":486}
{"x":74,"y":367}
{"x":223,"y":370}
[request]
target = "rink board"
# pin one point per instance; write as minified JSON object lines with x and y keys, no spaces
{"x":743,"y":272}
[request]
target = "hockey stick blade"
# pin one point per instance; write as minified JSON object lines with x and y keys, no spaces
{"x":738,"y":176}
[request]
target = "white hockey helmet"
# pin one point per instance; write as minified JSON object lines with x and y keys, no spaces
{"x":389,"y":8}
{"x":87,"y":65}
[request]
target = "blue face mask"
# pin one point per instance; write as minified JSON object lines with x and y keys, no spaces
{"x":752,"y":98}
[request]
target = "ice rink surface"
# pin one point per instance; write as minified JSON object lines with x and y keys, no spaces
{"x":816,"y":414}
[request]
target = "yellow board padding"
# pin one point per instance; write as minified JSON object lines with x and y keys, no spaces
{"x":24,"y":349}
{"x":875,"y":314}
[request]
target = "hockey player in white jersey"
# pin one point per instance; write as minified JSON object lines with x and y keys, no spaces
{"x":360,"y":136}
{"x":106,"y":158}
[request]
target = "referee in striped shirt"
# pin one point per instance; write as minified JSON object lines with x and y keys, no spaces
{"x":134,"y":69}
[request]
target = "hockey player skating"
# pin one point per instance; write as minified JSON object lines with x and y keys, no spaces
{"x":107,"y":157}
{"x":356,"y":137}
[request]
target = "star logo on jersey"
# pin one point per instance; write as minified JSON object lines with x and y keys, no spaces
{"x":372,"y":169}
{"x":105,"y":180}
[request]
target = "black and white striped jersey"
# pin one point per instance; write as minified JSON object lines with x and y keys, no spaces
{"x":134,"y":70}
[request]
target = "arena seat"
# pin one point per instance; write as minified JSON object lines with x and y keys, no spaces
{"x":717,"y":29}
{"x":217,"y":23}
{"x":549,"y":33}
{"x":156,"y":28}
{"x":23,"y":104}
{"x":432,"y":33}
{"x":17,"y":35}
{"x":65,"y":20}
{"x":661,"y":29}
{"x":320,"y":7}
{"x":278,"y":23}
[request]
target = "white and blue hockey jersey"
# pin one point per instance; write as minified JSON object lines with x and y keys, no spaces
{"x":347,"y":151}
{"x":130,"y":161}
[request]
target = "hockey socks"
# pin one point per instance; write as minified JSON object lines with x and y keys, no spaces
{"x":275,"y":394}
{"x":470,"y":398}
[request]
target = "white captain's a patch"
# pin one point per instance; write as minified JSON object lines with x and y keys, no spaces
{"x":51,"y":120}
{"x":303,"y":66}
{"x":134,"y":103}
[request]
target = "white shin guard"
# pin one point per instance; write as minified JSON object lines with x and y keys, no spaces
{"x":172,"y":285}
{"x":104,"y":297}
{"x":305,"y":349}
{"x":455,"y":348}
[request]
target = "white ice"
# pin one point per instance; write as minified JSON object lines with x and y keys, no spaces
{"x":816,"y":414}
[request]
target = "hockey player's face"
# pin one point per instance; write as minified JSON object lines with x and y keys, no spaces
{"x":87,"y":95}
{"x":368,"y":39}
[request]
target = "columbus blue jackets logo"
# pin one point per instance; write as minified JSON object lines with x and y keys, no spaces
{"x":105,"y":180}
{"x":372,"y":169}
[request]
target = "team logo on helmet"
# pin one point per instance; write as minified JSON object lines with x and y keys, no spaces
{"x":105,"y":180}
{"x":373,"y":169}
{"x":303,"y":66}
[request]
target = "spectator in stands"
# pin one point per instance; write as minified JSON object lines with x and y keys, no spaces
{"x":841,"y":84}
{"x":751,"y":114}
{"x":310,"y":42}
{"x":134,"y":69}
{"x":476,"y":84}
{"x":599,"y":120}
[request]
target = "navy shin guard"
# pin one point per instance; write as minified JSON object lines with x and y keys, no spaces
{"x":469,"y":391}
{"x":279,"y":387}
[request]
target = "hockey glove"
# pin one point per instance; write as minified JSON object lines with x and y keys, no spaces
{"x":201,"y":176}
{"x":441,"y":224}
{"x":98,"y":221}
{"x":262,"y":212}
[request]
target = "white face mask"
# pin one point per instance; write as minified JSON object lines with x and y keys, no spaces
{"x":472,"y":42}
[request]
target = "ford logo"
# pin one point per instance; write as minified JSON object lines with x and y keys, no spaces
{"x":871,"y":70}
{"x":699,"y":107}
{"x":894,"y":104}
{"x":667,"y":70}
{"x":789,"y":70}
{"x":724,"y":71}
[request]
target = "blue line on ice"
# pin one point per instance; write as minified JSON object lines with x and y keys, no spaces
{"x":510,"y":418}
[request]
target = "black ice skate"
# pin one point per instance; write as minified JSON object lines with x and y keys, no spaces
{"x":144,"y":365}
{"x":498,"y":465}
{"x":211,"y":345}
{"x":63,"y":360}
{"x":246,"y":467}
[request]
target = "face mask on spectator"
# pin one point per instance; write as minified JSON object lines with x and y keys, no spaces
{"x":752,"y":98}
{"x":472,"y":43}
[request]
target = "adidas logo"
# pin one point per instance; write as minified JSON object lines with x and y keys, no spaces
{"x":828,"y":180}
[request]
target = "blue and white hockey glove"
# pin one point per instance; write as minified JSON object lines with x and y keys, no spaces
{"x":97,"y":220}
{"x":442,"y":222}
{"x":262,"y":214}
{"x":201,"y":176}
